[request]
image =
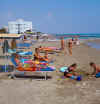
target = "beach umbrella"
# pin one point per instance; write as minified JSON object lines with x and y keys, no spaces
{"x":10,"y":36}
{"x":6,"y":45}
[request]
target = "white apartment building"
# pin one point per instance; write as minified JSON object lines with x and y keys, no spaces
{"x":19,"y":26}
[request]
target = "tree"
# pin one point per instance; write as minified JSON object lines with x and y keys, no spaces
{"x":3,"y":30}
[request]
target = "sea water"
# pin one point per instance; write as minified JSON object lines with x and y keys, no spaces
{"x":94,"y":45}
{"x":83,"y":36}
{"x":80,"y":36}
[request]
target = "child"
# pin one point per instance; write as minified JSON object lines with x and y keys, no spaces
{"x":96,"y":68}
{"x":70,"y":72}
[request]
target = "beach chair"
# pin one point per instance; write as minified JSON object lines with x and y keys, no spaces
{"x":24,"y":45}
{"x":45,"y":69}
{"x":25,"y":53}
{"x":19,"y":52}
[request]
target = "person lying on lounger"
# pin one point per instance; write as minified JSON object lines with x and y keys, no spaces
{"x":70,"y":72}
{"x":18,"y":61}
{"x":96,"y":71}
{"x":16,"y":57}
{"x":49,"y":49}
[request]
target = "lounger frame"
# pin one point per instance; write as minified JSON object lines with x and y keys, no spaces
{"x":13,"y":73}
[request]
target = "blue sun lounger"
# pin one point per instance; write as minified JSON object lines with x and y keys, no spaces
{"x":44,"y":70}
{"x":20,"y":52}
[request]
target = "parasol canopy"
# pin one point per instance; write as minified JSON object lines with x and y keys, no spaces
{"x":10,"y":36}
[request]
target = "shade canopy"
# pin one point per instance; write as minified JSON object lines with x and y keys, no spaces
{"x":10,"y":36}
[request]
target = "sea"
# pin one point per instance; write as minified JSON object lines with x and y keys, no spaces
{"x":83,"y":36}
{"x":80,"y":36}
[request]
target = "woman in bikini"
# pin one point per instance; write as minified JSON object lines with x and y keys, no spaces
{"x":70,"y":47}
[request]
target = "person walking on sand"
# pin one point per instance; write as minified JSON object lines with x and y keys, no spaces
{"x":70,"y":47}
{"x":96,"y":71}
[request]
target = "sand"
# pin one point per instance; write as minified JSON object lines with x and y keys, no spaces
{"x":31,"y":90}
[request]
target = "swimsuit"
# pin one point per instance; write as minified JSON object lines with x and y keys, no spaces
{"x":97,"y":75}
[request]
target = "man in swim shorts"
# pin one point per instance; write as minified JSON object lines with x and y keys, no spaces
{"x":63,"y":45}
{"x":96,"y":68}
{"x":70,"y":46}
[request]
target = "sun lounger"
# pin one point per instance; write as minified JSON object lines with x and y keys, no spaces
{"x":25,"y":53}
{"x":50,"y":50}
{"x":23,"y":45}
{"x":31,"y":69}
{"x":21,"y":53}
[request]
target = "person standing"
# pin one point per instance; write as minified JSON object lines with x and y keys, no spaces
{"x":70,"y":46}
{"x":63,"y":45}
{"x":13,"y":44}
{"x":96,"y":71}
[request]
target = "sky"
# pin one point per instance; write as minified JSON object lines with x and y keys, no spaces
{"x":54,"y":16}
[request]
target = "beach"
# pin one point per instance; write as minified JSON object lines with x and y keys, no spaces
{"x":55,"y":90}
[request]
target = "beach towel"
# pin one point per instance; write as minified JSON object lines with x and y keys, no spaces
{"x":25,"y":53}
{"x":63,"y":69}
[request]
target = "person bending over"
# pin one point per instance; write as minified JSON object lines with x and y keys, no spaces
{"x":70,"y":72}
{"x":96,"y":71}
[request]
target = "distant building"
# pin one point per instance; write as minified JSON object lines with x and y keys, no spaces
{"x":6,"y":28}
{"x":19,"y":26}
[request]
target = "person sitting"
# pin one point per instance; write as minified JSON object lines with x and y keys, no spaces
{"x":21,"y":64}
{"x":70,"y":72}
{"x":17,"y":60}
{"x":96,"y":71}
{"x":37,"y":56}
{"x":46,"y":56}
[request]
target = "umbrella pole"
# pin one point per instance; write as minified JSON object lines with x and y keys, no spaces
{"x":5,"y":59}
